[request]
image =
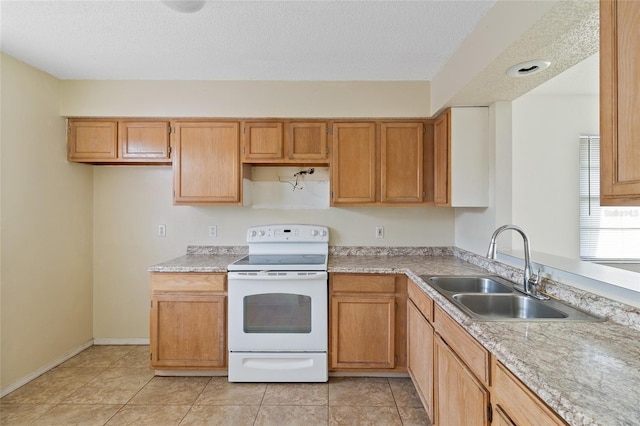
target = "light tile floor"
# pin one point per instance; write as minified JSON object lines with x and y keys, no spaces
{"x":113,"y":385}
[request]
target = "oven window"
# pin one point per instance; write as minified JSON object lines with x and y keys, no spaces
{"x":277,"y":313}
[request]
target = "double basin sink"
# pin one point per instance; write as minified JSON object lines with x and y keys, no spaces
{"x":490,"y":298}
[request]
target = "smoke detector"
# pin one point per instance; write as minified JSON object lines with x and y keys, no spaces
{"x":528,"y":68}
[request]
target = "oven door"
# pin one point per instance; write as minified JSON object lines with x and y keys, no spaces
{"x":279,"y":311}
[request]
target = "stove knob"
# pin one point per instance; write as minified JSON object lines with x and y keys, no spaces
{"x":323,"y":233}
{"x":314,"y":232}
{"x":261,"y":233}
{"x":253,"y":233}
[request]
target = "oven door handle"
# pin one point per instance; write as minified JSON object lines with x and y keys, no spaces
{"x":277,"y":275}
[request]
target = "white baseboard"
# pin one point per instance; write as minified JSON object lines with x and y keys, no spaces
{"x":121,"y":341}
{"x":191,"y":373}
{"x":40,"y":371}
{"x":390,"y":374}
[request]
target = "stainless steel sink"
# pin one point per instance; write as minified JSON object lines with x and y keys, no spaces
{"x":509,"y":306}
{"x":462,"y":284}
{"x":490,"y":298}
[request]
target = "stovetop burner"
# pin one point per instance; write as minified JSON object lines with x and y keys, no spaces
{"x":281,"y":259}
{"x":285,"y":248}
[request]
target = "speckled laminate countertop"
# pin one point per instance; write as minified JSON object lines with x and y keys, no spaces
{"x":589,"y":373}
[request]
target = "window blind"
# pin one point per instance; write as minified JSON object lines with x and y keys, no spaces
{"x":609,"y":234}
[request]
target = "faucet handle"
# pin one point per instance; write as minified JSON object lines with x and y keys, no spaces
{"x":537,"y":278}
{"x":534,"y":282}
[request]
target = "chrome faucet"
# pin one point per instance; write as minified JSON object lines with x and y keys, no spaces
{"x":530,"y":281}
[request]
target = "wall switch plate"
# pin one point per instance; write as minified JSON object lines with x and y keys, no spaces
{"x":162,"y":230}
{"x":379,"y":232}
{"x":213,"y":231}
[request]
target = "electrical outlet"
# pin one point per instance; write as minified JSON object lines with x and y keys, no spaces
{"x":162,"y":230}
{"x":213,"y":231}
{"x":379,"y":232}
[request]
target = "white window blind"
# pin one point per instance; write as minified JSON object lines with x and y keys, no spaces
{"x":609,"y":234}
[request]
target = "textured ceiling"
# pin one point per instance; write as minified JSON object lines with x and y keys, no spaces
{"x":239,"y":40}
{"x":567,"y":35}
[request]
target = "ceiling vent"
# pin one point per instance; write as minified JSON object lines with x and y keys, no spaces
{"x":528,"y":68}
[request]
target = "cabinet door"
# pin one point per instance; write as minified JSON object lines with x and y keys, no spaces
{"x":420,"y":355}
{"x":188,"y":330}
{"x":362,"y":331}
{"x":146,"y":141}
{"x":500,"y":418}
{"x":353,"y":163}
{"x":442,"y":159}
{"x":307,"y":141}
{"x":619,"y":103}
{"x":92,"y":140}
{"x":262,"y":141}
{"x":206,"y":166}
{"x":520,"y":404}
{"x":459,"y":398}
{"x":401,"y":162}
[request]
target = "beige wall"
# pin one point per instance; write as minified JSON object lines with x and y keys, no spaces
{"x":130,"y":202}
{"x":46,"y":240}
{"x":246,"y":98}
{"x":546,"y":132}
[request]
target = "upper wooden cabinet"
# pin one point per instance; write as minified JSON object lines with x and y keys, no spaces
{"x":307,"y":141}
{"x":206,"y":166}
{"x":401,"y":162}
{"x":118,"y":141}
{"x":441,"y":159}
{"x":144,"y":140}
{"x":284,"y":142}
{"x":353,"y":163}
{"x":378,"y":163}
{"x":461,"y":157}
{"x":619,"y":103}
{"x":262,"y":141}
{"x":92,"y":140}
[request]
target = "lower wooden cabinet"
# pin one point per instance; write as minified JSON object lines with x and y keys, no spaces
{"x":500,"y":418}
{"x":460,"y":399}
{"x":420,"y":347}
{"x":188,"y":321}
{"x":517,"y":403}
{"x":459,"y":382}
{"x":367,"y":322}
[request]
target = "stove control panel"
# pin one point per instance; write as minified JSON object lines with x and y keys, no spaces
{"x":288,"y":233}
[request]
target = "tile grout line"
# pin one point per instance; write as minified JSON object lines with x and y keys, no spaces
{"x":107,"y":369}
{"x":194,"y":401}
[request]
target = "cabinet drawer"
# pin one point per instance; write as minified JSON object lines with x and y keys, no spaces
{"x":353,"y":283}
{"x":421,"y":300}
{"x":520,"y":404}
{"x":466,"y":347}
{"x":163,"y":281}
